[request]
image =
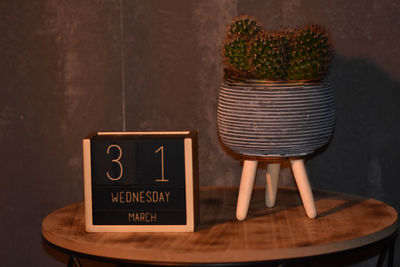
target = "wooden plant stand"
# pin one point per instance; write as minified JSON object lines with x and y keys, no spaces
{"x":247,"y":183}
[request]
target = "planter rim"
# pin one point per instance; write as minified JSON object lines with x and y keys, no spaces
{"x":244,"y":81}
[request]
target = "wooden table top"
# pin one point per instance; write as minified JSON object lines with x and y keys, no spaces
{"x":283,"y":232}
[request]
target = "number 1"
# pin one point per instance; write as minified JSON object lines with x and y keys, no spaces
{"x":161,"y":148}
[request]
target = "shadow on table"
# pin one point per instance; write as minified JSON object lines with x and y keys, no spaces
{"x":219,"y":206}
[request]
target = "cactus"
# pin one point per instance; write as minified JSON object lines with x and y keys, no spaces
{"x":244,"y":27}
{"x":268,"y":56}
{"x":309,"y":54}
{"x":236,"y":55}
{"x":235,"y":51}
{"x":249,"y":52}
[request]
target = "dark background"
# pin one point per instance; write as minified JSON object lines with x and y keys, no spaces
{"x":72,"y":67}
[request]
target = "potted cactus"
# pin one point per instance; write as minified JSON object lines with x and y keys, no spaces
{"x":274,"y":103}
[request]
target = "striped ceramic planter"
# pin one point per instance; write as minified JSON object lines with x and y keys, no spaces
{"x":275,"y":119}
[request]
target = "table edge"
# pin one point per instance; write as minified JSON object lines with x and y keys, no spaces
{"x":233,"y":256}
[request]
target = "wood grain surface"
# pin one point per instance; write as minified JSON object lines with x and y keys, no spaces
{"x":283,"y":232}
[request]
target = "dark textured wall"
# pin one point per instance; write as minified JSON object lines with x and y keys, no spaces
{"x":72,"y":67}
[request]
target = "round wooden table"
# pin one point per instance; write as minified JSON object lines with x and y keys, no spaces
{"x":344,"y":222}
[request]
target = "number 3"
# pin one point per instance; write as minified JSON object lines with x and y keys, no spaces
{"x":116,"y":161}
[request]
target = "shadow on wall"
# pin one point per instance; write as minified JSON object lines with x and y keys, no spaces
{"x":361,"y":157}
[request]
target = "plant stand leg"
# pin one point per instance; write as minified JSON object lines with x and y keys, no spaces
{"x":73,"y":261}
{"x":300,"y":175}
{"x":246,"y":188}
{"x":271,"y":184}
